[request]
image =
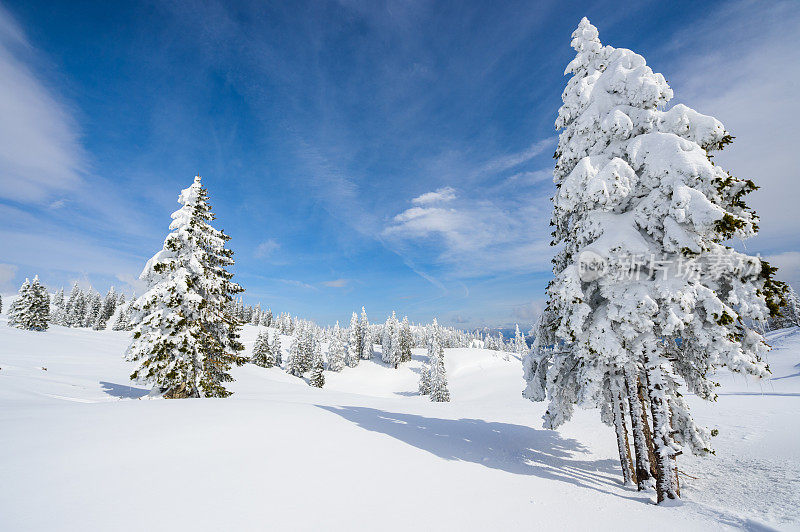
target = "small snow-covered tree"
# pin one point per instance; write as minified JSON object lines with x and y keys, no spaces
{"x":76,"y":307}
{"x":336,"y":350}
{"x":520,"y":346}
{"x":294,"y":362}
{"x":124,"y":316}
{"x":275,"y":347}
{"x":789,"y":315}
{"x":390,"y":352}
{"x":262,"y":351}
{"x":645,"y":288}
{"x":94,"y":304}
{"x":58,"y":309}
{"x":405,"y":341}
{"x":363,"y":330}
{"x":317,"y":378}
{"x":368,"y":345}
{"x":437,"y":375}
{"x":109,"y":306}
{"x":185,"y":340}
{"x":31,"y":309}
{"x":354,"y":343}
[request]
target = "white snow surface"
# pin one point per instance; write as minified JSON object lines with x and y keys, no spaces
{"x":81,"y":448}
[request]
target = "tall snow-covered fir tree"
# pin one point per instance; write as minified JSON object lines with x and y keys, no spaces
{"x":645,"y":287}
{"x":354,"y":343}
{"x":185,"y":339}
{"x":336,"y":350}
{"x":31,"y":309}
{"x":262,"y":351}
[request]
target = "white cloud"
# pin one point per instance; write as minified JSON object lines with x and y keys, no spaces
{"x":478,"y":237}
{"x":441,"y":195}
{"x":40,"y":149}
{"x":7,"y":274}
{"x":337,"y":283}
{"x":266,"y":249}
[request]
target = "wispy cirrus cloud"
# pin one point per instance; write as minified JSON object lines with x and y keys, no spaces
{"x":337,"y":283}
{"x":40,"y":148}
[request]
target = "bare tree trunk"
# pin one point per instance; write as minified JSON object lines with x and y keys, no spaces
{"x":662,"y":437}
{"x":641,"y":431}
{"x":618,"y":407}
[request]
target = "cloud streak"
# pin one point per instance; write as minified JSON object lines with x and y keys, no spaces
{"x":40,"y":149}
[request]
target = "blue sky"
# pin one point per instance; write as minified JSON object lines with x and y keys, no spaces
{"x":396,"y":155}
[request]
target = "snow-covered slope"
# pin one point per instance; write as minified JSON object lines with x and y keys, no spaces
{"x":78,"y":451}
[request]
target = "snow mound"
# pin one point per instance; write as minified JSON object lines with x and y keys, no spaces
{"x":80,"y":449}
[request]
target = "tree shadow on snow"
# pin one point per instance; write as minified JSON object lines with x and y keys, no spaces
{"x":516,"y":449}
{"x":123,"y":391}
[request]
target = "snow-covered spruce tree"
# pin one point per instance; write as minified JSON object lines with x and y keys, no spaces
{"x":185,"y":340}
{"x":275,"y":347}
{"x":317,"y":378}
{"x":109,"y":306}
{"x":406,"y":340}
{"x":307,"y":342}
{"x":76,"y":307}
{"x":262,"y":351}
{"x":369,"y":344}
{"x":638,"y":196}
{"x":94,"y":304}
{"x":294,"y":362}
{"x":386,"y":340}
{"x":363,"y":331}
{"x":390,"y":348}
{"x":31,"y":309}
{"x":18,"y":310}
{"x":354,"y":343}
{"x":520,"y":346}
{"x":336,"y":350}
{"x":437,"y":376}
{"x":789,"y":312}
{"x":123,"y":319}
{"x":58,"y":308}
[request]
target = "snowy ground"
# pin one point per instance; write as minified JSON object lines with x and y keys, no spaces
{"x":78,"y":451}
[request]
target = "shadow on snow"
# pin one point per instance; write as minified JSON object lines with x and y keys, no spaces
{"x":516,"y":449}
{"x":123,"y":391}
